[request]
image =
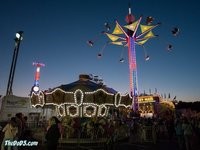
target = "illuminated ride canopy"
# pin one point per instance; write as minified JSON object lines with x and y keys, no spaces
{"x":84,"y":98}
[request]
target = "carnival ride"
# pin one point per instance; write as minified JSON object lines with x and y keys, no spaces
{"x":129,"y":39}
{"x":35,"y":87}
{"x":82,"y":98}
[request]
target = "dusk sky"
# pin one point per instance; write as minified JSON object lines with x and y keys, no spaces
{"x":56,"y":32}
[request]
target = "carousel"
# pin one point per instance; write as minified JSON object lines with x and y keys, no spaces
{"x":82,"y":98}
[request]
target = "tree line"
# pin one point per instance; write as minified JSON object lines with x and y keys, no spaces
{"x":186,"y":105}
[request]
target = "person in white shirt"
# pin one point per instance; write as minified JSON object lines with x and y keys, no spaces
{"x":10,"y":131}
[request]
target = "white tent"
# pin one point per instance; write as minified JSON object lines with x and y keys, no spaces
{"x":11,"y":104}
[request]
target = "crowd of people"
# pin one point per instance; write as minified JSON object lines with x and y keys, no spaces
{"x":15,"y":130}
{"x":186,"y":131}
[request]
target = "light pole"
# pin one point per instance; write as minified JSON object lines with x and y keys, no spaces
{"x":130,"y":38}
{"x":18,"y":39}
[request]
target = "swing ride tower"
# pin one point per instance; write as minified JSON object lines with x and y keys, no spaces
{"x":129,"y":38}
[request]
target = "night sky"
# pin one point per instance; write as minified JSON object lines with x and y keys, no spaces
{"x":56,"y":32}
